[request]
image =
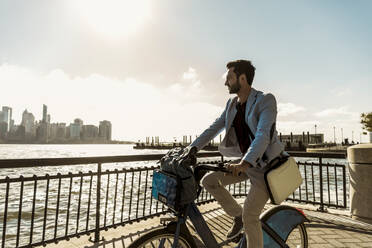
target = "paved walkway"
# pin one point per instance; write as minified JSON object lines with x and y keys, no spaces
{"x":332,"y":229}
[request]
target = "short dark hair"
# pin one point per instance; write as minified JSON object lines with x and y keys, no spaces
{"x":243,"y":67}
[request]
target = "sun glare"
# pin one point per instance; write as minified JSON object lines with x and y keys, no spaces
{"x":114,"y":18}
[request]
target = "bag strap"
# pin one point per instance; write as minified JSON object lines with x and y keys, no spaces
{"x":251,"y":136}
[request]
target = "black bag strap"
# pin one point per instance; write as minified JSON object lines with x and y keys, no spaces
{"x":251,"y":136}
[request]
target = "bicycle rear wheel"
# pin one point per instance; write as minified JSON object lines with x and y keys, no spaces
{"x":298,"y":237}
{"x":162,"y":238}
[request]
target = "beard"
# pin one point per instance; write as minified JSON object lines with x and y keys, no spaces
{"x":234,"y":88}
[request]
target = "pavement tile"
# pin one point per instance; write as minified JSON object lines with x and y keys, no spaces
{"x":335,"y":242}
{"x":349,"y":240}
{"x":363,"y":237}
{"x":321,"y":246}
{"x":330,"y":236}
{"x":369,"y":244}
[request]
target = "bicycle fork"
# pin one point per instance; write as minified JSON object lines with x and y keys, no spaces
{"x":198,"y":222}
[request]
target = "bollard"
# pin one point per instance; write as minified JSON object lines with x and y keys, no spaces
{"x":360,"y":170}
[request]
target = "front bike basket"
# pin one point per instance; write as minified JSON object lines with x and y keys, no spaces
{"x":166,"y":188}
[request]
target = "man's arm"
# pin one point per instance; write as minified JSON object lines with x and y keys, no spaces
{"x":212,"y":131}
{"x":266,"y":119}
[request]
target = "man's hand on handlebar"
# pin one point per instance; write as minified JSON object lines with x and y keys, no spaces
{"x":237,"y":169}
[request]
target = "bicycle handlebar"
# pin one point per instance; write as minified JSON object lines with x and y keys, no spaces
{"x":212,"y":168}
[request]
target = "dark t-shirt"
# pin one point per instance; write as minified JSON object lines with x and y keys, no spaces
{"x":241,"y":128}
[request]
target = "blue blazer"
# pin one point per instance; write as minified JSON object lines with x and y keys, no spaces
{"x":260,"y":116}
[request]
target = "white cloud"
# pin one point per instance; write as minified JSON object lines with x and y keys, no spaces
{"x":190,"y":74}
{"x":285,"y":109}
{"x":340,"y":112}
{"x":341,"y":92}
{"x":136,"y":109}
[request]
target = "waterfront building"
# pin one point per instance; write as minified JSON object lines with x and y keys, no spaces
{"x":67,"y":136}
{"x":45,"y":113}
{"x":16,"y":134}
{"x":303,"y":138}
{"x":105,"y":129}
{"x":57,"y":132}
{"x":53,"y":131}
{"x":74,"y":131}
{"x":90,"y":132}
{"x":61,"y":131}
{"x":6,"y":116}
{"x":3,"y":129}
{"x":42,"y":132}
{"x":28,"y":121}
{"x":79,"y":121}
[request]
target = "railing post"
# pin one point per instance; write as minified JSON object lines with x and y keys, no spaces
{"x":321,"y":207}
{"x":98,"y":203}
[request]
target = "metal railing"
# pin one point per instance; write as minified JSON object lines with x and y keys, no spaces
{"x":41,"y":209}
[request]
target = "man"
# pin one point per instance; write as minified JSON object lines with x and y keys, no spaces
{"x":249,"y":121}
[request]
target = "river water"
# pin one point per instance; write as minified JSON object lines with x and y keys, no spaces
{"x":67,"y":151}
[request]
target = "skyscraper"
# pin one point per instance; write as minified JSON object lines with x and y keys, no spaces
{"x":105,"y":130}
{"x":89,"y":132}
{"x":45,"y":113}
{"x":28,"y":121}
{"x":7,"y":116}
{"x":76,"y":129}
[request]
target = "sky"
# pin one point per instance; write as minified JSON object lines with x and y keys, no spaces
{"x":155,"y":68}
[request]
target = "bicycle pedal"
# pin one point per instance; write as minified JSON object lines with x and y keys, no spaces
{"x":237,"y":238}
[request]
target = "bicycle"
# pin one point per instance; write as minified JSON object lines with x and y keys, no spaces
{"x":280,"y":224}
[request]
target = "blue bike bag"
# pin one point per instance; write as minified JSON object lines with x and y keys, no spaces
{"x":166,"y":188}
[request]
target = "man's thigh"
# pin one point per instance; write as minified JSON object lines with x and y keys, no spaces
{"x":223,"y":179}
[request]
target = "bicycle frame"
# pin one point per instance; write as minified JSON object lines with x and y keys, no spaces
{"x":200,"y":225}
{"x":276,"y":222}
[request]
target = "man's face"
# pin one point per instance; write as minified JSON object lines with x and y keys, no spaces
{"x":232,"y":81}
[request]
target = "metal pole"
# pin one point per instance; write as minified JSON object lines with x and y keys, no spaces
{"x":334,"y":135}
{"x":98,"y":203}
{"x":342,"y":135}
{"x":321,"y":208}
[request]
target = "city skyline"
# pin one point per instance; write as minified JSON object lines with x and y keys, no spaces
{"x":161,"y":73}
{"x":45,"y":131}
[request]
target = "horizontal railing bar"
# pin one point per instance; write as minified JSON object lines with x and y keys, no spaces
{"x":315,"y":202}
{"x":324,"y":164}
{"x":42,"y":162}
{"x":340,"y":155}
{"x":33,"y":178}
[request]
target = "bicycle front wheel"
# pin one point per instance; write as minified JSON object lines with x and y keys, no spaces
{"x":298,"y":237}
{"x":162,"y":238}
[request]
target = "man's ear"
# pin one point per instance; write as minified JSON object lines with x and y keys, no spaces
{"x":242,"y":78}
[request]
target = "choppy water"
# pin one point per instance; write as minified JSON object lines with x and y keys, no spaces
{"x":66,"y":151}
